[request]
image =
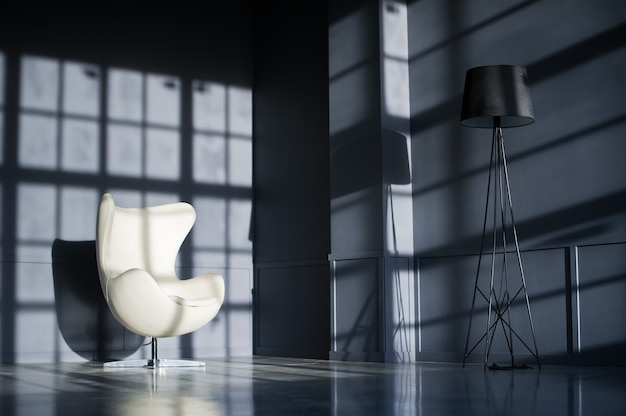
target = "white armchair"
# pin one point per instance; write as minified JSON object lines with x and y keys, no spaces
{"x":136,"y":254}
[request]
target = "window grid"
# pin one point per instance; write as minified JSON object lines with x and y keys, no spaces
{"x":77,"y":136}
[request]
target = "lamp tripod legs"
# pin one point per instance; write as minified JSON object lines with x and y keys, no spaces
{"x":499,"y":306}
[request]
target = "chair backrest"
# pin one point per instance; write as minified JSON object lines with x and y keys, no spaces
{"x":141,"y":238}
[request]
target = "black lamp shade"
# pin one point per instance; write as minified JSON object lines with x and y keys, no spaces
{"x":496,"y":93}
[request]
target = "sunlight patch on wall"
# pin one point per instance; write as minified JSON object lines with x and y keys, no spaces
{"x":396,"y":54}
{"x":162,"y":154}
{"x":163,"y":100}
{"x":37,"y":141}
{"x":81,"y":89}
{"x":209,"y":162}
{"x":80,"y":146}
{"x":125,"y":95}
{"x":36,"y":205}
{"x":209,"y":106}
{"x":214,"y":220}
{"x":77,"y":215}
{"x":124,"y":150}
{"x":39,"y":84}
{"x":240,"y":111}
{"x":239,"y":161}
{"x":81,"y":127}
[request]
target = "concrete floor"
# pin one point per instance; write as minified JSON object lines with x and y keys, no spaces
{"x":280,"y":386}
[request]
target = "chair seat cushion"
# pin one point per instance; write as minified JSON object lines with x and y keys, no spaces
{"x":194,"y":302}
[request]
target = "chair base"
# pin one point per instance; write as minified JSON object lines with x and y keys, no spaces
{"x":150,"y":363}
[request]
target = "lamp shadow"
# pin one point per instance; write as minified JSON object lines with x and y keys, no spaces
{"x":83,"y":317}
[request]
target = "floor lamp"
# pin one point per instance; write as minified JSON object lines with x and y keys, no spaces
{"x":498,"y":97}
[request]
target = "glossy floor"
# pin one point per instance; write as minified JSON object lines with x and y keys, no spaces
{"x":278,"y":386}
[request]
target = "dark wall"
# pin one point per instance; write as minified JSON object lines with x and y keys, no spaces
{"x":215,"y":43}
{"x":566,"y":170}
{"x":291,"y":131}
{"x":291,"y":179}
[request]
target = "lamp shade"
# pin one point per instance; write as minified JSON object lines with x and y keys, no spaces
{"x":496,"y":93}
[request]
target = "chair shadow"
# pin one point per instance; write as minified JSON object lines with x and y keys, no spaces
{"x":84,"y":319}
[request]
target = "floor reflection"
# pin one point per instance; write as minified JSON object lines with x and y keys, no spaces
{"x":275,"y":386}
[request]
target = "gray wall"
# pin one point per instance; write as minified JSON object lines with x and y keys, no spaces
{"x":567,"y":171}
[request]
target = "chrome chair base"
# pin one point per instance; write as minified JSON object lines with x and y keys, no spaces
{"x":150,"y":363}
{"x":153,"y":362}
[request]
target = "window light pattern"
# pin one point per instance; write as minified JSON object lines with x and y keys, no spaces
{"x":83,"y":129}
